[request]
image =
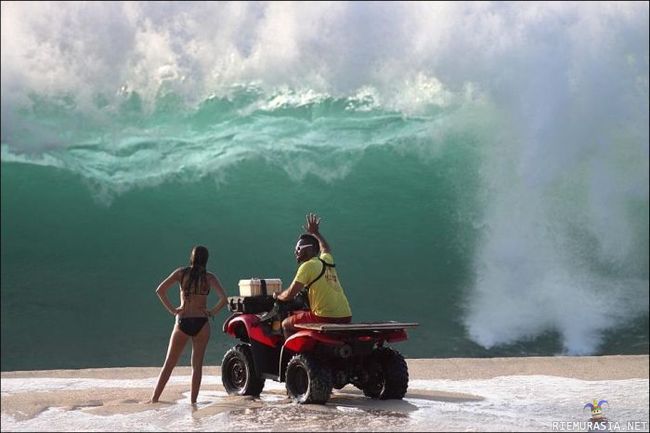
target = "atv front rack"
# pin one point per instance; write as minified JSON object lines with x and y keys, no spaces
{"x":365,"y":326}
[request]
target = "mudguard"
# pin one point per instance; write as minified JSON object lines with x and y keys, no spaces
{"x":395,"y":336}
{"x":249,"y":322}
{"x":303,"y":341}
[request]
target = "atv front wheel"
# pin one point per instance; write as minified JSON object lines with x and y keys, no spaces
{"x":307,"y":380}
{"x":238,"y":372}
{"x":388,"y":375}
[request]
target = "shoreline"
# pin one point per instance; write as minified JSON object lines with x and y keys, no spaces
{"x":605,"y":367}
{"x":451,"y":394}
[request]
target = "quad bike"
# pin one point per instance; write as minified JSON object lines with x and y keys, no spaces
{"x":319,"y":357}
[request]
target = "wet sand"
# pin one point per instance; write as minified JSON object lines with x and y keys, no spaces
{"x":132,"y":386}
{"x":611,"y":367}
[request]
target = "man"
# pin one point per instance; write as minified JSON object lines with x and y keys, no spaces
{"x":327,"y":301}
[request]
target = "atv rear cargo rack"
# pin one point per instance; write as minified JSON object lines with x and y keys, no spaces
{"x":362,"y":326}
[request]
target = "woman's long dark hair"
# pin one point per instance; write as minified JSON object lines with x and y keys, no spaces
{"x":197,"y":278}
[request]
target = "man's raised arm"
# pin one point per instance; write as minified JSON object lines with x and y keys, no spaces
{"x":311,"y":227}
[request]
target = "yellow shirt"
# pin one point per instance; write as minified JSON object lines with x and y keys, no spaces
{"x":326,"y":297}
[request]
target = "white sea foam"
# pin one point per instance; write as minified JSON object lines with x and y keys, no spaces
{"x":532,"y":58}
{"x":508,"y":403}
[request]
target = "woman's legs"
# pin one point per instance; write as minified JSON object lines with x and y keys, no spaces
{"x":199,"y":344}
{"x":176,"y":345}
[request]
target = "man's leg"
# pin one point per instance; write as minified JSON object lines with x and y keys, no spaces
{"x":288,"y":324}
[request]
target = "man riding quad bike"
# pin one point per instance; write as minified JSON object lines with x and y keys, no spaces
{"x":319,"y":349}
{"x":315,"y":359}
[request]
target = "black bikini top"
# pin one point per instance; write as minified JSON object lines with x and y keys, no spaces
{"x":204,"y":291}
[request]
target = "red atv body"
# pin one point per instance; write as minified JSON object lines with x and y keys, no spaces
{"x":311,"y":362}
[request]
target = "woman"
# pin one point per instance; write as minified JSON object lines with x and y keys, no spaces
{"x":191,"y":317}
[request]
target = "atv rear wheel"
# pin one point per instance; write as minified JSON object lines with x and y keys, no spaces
{"x":307,"y":380}
{"x":238,"y":372}
{"x":388,"y":375}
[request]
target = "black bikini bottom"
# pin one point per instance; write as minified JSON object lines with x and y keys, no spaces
{"x":192,"y":325}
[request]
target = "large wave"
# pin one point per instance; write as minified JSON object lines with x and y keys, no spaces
{"x":555,"y":97}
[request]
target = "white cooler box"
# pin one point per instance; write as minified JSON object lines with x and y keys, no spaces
{"x":257,"y":286}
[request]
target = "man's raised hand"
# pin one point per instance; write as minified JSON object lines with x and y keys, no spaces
{"x":312,"y":223}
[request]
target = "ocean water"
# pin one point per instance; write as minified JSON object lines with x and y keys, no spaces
{"x":480,"y":169}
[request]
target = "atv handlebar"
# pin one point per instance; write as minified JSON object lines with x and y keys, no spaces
{"x":275,"y":311}
{"x":281,"y":309}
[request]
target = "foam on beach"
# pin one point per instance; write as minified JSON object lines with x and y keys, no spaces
{"x":501,"y":403}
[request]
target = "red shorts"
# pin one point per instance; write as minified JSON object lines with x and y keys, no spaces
{"x":309,"y":317}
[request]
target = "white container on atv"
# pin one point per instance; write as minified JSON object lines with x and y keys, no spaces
{"x":257,"y":286}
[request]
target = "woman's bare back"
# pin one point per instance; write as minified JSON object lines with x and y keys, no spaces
{"x":195,"y":304}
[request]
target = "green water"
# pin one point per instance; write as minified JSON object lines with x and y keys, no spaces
{"x":78,"y":273}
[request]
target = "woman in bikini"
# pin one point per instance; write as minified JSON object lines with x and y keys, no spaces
{"x":191,"y":317}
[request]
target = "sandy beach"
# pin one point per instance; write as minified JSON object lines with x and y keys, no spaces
{"x":115,"y":398}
